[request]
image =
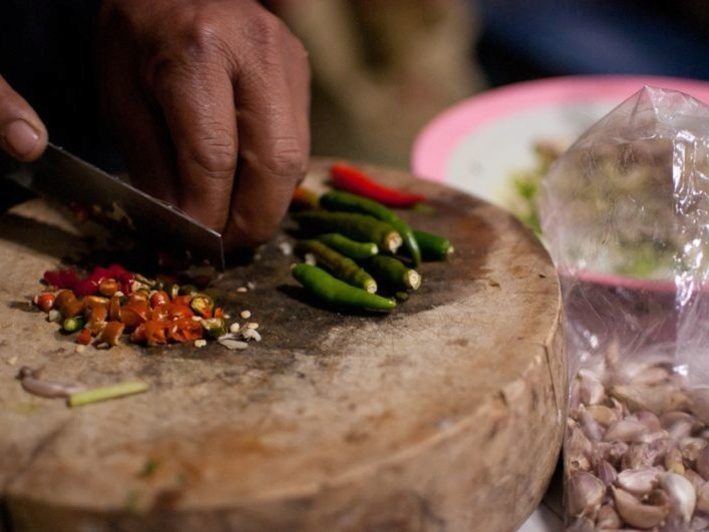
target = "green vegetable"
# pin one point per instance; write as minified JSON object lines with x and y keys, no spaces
{"x":187,"y":290}
{"x":351,"y":248}
{"x":74,"y":324}
{"x":391,"y":272}
{"x":202,"y":304}
{"x":336,"y":292}
{"x":358,"y":227}
{"x":344,"y":201}
{"x":214,"y":327}
{"x":107,"y":392}
{"x":433,"y":247}
{"x":173,"y":290}
{"x":340,"y":266}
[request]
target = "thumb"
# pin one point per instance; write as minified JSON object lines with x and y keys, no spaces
{"x":22,"y":134}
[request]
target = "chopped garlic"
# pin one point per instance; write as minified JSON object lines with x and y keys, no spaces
{"x":234,"y":328}
{"x":286,"y":248}
{"x":246,"y":314}
{"x":200,"y":343}
{"x":251,"y":334}
{"x":233,"y":344}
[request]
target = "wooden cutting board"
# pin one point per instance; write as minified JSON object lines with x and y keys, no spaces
{"x":444,"y":415}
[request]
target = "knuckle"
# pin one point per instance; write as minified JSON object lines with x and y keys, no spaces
{"x":266,"y":30}
{"x":197,"y":41}
{"x":203,"y":36}
{"x":287,"y":160}
{"x":215,"y":155}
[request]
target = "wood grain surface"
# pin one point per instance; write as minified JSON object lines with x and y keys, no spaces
{"x":445,"y":415}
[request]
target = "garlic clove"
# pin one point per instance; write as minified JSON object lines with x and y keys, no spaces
{"x":699,"y":523}
{"x":638,"y":455}
{"x":694,"y":477}
{"x":703,"y":462}
{"x":603,"y":415}
{"x":652,"y":375}
{"x":627,"y":430}
{"x":679,"y":425}
{"x":591,"y":428}
{"x":591,"y":389}
{"x":681,"y":493}
{"x":635,"y":513}
{"x":650,"y":420}
{"x":638,"y":481}
{"x":657,"y":399}
{"x":606,"y":472}
{"x":673,"y":461}
{"x":691,"y":448}
{"x":702,"y":496}
{"x":578,"y":449}
{"x":608,"y":518}
{"x":584,"y":493}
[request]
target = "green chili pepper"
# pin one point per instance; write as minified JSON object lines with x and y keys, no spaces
{"x":344,"y":201}
{"x":433,"y":247}
{"x":74,"y":324}
{"x":393,"y":273}
{"x":173,"y":291}
{"x":187,"y":290}
{"x":144,"y":280}
{"x":359,"y":227}
{"x":351,"y":248}
{"x":401,"y":296}
{"x":214,"y":327}
{"x":202,"y":304}
{"x":336,"y":292}
{"x":340,"y":266}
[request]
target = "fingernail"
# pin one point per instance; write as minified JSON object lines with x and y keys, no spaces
{"x":20,"y":137}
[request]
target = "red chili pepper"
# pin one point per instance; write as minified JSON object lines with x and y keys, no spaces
{"x":87,"y":286}
{"x":355,"y":181}
{"x":61,"y":278}
{"x":84,"y":337}
{"x":185,"y":330}
{"x":303,"y":199}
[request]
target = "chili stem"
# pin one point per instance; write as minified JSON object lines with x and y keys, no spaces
{"x":105,"y":393}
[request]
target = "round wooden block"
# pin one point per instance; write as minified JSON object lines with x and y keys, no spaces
{"x":444,"y":415}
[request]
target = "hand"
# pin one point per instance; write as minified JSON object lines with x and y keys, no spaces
{"x":195,"y":88}
{"x":22,"y":134}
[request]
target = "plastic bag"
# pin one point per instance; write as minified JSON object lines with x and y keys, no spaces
{"x":625,"y":215}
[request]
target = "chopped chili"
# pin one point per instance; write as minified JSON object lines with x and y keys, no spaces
{"x":84,"y":337}
{"x":110,"y":301}
{"x":185,"y":330}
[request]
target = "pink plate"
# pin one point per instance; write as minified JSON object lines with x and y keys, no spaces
{"x":479,"y":143}
{"x":438,"y":141}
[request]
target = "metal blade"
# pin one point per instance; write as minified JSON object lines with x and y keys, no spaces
{"x":61,"y":176}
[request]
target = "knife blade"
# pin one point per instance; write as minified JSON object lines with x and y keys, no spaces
{"x":61,"y":176}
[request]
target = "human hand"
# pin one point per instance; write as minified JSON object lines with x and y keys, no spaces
{"x":22,"y":134}
{"x":194,"y":88}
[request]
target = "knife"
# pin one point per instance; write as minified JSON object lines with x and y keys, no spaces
{"x":61,"y":176}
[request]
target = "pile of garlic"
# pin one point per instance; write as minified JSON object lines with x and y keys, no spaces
{"x":636,"y":454}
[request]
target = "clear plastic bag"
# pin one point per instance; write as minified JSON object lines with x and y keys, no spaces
{"x":625,"y":215}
